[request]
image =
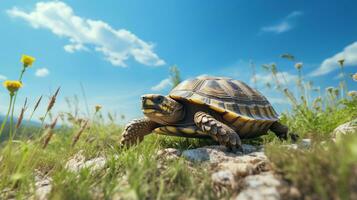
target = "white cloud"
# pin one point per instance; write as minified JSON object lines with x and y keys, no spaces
{"x":162,"y":85}
{"x":278,"y":28}
{"x":42,"y":72}
{"x":2,"y":77}
{"x":284,"y":25}
{"x":116,"y":45}
{"x":71,"y":48}
{"x":338,"y":76}
{"x":293,"y":14}
{"x":203,"y":75}
{"x":349,"y":53}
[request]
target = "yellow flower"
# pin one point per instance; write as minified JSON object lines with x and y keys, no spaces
{"x":12,"y":86}
{"x":299,"y":65}
{"x":354,"y":76}
{"x":98,"y":107}
{"x":352,"y":93}
{"x":27,"y":60}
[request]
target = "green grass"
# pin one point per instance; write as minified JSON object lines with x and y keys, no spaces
{"x":327,"y":170}
{"x":130,"y":172}
{"x":321,"y":172}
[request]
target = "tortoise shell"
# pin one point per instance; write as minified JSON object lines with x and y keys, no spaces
{"x":240,"y":106}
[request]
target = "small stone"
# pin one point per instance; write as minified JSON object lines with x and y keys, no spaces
{"x":344,"y":129}
{"x":263,"y":179}
{"x":42,"y":191}
{"x":43,"y":186}
{"x":8,"y":193}
{"x":237,"y":169}
{"x":169,"y":153}
{"x":212,"y":154}
{"x":291,"y":146}
{"x":250,"y":148}
{"x":196,"y":155}
{"x":305,"y":143}
{"x":223,"y":178}
{"x":95,"y":164}
{"x":252,"y":158}
{"x":218,"y":154}
{"x":78,"y":162}
{"x":261,"y":186}
{"x":265,"y":193}
{"x":294,"y":193}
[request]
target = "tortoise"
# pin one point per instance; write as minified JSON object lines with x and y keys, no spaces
{"x":223,"y":109}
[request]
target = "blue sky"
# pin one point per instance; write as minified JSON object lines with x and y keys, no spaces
{"x":119,"y":50}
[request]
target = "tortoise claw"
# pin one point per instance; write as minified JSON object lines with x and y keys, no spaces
{"x":217,"y":130}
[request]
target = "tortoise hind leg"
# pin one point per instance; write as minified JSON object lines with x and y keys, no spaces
{"x":135,"y":131}
{"x":282,"y":131}
{"x":218,"y":131}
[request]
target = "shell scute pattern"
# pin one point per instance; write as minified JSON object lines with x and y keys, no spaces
{"x":227,"y":95}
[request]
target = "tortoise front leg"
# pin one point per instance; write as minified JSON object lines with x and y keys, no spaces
{"x":135,"y":131}
{"x":218,"y":131}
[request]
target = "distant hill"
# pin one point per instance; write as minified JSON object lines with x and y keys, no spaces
{"x":24,"y":122}
{"x":28,"y":131}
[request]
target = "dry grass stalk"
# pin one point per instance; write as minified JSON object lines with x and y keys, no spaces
{"x":79,"y":133}
{"x":110,"y":116}
{"x":35,"y":108}
{"x":23,"y":109}
{"x":49,"y":132}
{"x":37,"y":104}
{"x":53,"y":100}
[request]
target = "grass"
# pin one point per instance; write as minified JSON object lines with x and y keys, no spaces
{"x":327,"y":170}
{"x":133,"y":172}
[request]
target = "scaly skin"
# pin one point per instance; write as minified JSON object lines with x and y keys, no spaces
{"x":135,"y":131}
{"x":218,"y":131}
{"x":281,"y":131}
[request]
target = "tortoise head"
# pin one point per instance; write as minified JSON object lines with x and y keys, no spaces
{"x":162,"y":109}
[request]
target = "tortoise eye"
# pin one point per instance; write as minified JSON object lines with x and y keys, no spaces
{"x":159,"y":99}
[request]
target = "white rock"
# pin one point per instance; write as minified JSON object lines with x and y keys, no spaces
{"x":250,"y":148}
{"x":78,"y":162}
{"x":251,"y":169}
{"x":8,"y":194}
{"x":263,"y":179}
{"x":216,"y":154}
{"x":237,"y":169}
{"x":252,"y":158}
{"x":291,"y":146}
{"x":261,"y":186}
{"x":305,"y":143}
{"x":264,"y":193}
{"x":43,"y":186}
{"x":169,"y":153}
{"x":210,"y":153}
{"x":224,"y":178}
{"x":95,"y":164}
{"x":344,"y":129}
